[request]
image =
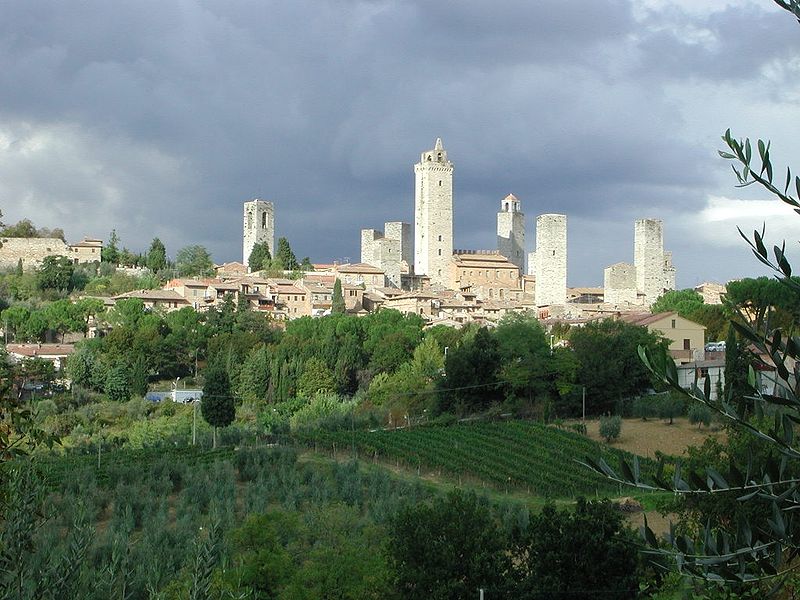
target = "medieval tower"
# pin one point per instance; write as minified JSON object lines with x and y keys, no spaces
{"x":550,"y":260}
{"x":433,"y":215}
{"x":388,"y":250}
{"x":654,"y":271}
{"x":259,"y":226}
{"x":511,"y":231}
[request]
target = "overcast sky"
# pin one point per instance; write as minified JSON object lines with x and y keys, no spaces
{"x":161,"y":117}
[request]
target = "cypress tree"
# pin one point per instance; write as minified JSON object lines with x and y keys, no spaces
{"x":217,"y":406}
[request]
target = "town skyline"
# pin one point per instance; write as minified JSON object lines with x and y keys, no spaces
{"x":163,"y":124}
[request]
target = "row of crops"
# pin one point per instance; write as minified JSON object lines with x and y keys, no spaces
{"x":110,"y":467}
{"x":520,"y":454}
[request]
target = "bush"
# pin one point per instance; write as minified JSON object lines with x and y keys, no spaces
{"x":610,"y":427}
{"x":670,"y":407}
{"x":579,"y":427}
{"x":645,"y":407}
{"x":699,"y":414}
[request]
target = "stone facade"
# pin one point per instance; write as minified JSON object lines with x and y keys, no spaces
{"x":86,"y":251}
{"x":511,"y":231}
{"x":433,"y":215}
{"x":551,"y":260}
{"x":31,"y":250}
{"x":486,"y":274}
{"x":259,"y":227}
{"x":619,"y":284}
{"x":654,"y":271}
{"x":388,"y":250}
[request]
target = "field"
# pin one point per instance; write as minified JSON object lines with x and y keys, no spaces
{"x":541,"y":460}
{"x":646,"y":437}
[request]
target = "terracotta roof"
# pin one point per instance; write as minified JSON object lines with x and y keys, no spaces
{"x":359,"y":268}
{"x":170,"y":295}
{"x":40,"y":349}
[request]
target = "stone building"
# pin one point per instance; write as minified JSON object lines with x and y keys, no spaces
{"x":550,"y":260}
{"x":88,"y":250}
{"x":485,"y":273}
{"x":654,"y":271}
{"x":511,"y":231}
{"x":259,"y":227}
{"x":433,"y":215}
{"x":388,"y":250}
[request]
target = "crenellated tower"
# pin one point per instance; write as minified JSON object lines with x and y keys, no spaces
{"x":433,"y":215}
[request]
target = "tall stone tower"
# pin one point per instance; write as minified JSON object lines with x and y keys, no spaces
{"x":259,"y":226}
{"x":433,"y":215}
{"x":654,"y":271}
{"x":550,"y":260}
{"x":511,"y":231}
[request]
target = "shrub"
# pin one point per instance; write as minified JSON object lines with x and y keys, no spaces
{"x":579,"y":427}
{"x":610,"y":427}
{"x":670,"y":407}
{"x":699,"y":414}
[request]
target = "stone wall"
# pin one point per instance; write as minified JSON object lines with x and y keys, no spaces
{"x":619,"y":283}
{"x":31,"y":250}
{"x":258,"y":227}
{"x":433,"y":215}
{"x":551,"y":260}
{"x":386,"y":250}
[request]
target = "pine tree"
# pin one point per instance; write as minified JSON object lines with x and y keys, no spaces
{"x":337,"y":305}
{"x":157,"y":256}
{"x":259,"y":257}
{"x":217,"y":406}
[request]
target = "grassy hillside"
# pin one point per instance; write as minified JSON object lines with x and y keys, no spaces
{"x":543,"y":460}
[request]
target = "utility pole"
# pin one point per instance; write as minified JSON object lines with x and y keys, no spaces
{"x":194,"y":423}
{"x":584,"y":403}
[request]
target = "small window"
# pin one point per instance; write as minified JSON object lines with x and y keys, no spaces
{"x":673,"y":323}
{"x":440,"y":183}
{"x":263,"y":220}
{"x":440,"y":238}
{"x":440,"y":251}
{"x":687,"y":345}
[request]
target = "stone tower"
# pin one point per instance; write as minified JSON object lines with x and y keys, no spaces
{"x":259,"y":226}
{"x":550,"y":260}
{"x":511,"y":231}
{"x":654,"y":271}
{"x":388,"y":249}
{"x":433,"y":215}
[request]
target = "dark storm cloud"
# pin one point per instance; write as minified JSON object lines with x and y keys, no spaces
{"x":161,"y":118}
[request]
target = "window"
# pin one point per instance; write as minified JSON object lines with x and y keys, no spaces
{"x":440,"y":251}
{"x":263,"y":220}
{"x":687,"y":344}
{"x":673,"y":323}
{"x":440,"y":238}
{"x":440,"y":183}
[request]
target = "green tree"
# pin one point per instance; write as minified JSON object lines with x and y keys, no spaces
{"x":117,"y":385}
{"x":305,"y":264}
{"x":285,"y":256}
{"x":316,"y":377}
{"x":217,"y":406}
{"x":193,"y":261}
{"x":157,"y":256}
{"x":576,"y":554}
{"x":260,"y":257}
{"x":471,"y":375}
{"x":526,"y":364}
{"x":23,"y":229}
{"x":449,"y":549}
{"x":610,"y":427}
{"x":55,"y":273}
{"x":683,"y":302}
{"x":63,"y":316}
{"x":609,"y":365}
{"x":337,"y":303}
{"x":110,"y":251}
